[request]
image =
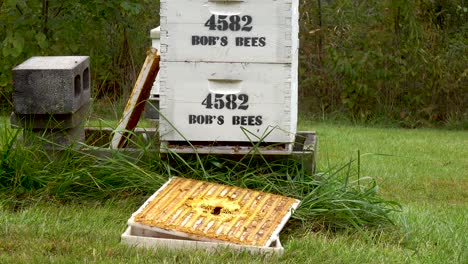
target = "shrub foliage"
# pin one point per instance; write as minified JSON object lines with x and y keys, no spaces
{"x":113,"y":33}
{"x":406,"y":60}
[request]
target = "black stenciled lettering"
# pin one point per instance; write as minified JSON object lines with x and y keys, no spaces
{"x":236,"y":120}
{"x":207,"y":102}
{"x":248,"y":20}
{"x":205,"y":120}
{"x":223,"y":24}
{"x":258,"y":120}
{"x":229,"y":101}
{"x":239,"y":41}
{"x":239,"y":120}
{"x":200,"y":119}
{"x":211,"y":22}
{"x":224,"y":41}
{"x":262,"y":42}
{"x":244,"y":120}
{"x":247,"y":120}
{"x":209,"y":120}
{"x":247,"y":42}
{"x":192,"y":119}
{"x":195,"y":40}
{"x":212,"y":40}
{"x":218,"y":101}
{"x":220,"y":120}
{"x":204,"y":40}
{"x":233,"y":23}
{"x":251,"y":120}
{"x":209,"y":41}
{"x":254,"y":42}
{"x":250,"y":42}
{"x":245,"y":101}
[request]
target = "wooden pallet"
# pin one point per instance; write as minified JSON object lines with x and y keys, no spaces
{"x":304,"y":149}
{"x":304,"y":141}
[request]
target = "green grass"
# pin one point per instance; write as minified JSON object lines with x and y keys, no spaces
{"x":423,"y":165}
{"x":68,"y":233}
{"x":425,"y":170}
{"x":84,"y":233}
{"x":436,"y":235}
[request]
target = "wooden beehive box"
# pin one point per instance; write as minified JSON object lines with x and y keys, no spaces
{"x":229,"y":71}
{"x":255,"y":31}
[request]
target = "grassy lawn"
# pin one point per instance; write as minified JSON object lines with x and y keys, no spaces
{"x":425,"y":170}
{"x":411,"y":166}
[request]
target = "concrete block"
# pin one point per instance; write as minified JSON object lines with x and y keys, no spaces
{"x":51,"y":85}
{"x":55,"y":121}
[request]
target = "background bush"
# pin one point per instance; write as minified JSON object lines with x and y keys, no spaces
{"x":402,"y":61}
{"x":114,"y":33}
{"x":405,"y":61}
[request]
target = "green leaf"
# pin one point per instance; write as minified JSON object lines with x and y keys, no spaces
{"x":18,"y":45}
{"x":74,"y":47}
{"x":13,"y":45}
{"x":5,"y":80}
{"x":132,"y":8}
{"x":42,"y":40}
{"x":11,"y":2}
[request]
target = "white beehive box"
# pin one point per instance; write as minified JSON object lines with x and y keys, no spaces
{"x":229,"y":30}
{"x":228,"y":96}
{"x":229,"y":70}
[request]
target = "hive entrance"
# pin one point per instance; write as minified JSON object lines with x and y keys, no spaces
{"x":217,"y":207}
{"x":216,"y":210}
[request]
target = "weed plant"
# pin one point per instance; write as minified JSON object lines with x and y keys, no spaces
{"x":333,"y":199}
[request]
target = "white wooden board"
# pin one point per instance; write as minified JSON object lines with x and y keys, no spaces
{"x":139,"y":237}
{"x":136,"y":102}
{"x":263,"y":31}
{"x":155,"y":35}
{"x":214,"y":100}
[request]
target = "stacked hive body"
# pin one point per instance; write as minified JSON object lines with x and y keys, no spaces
{"x":229,"y":70}
{"x":50,"y":99}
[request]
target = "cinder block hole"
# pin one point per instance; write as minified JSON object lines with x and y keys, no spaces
{"x":86,"y":79}
{"x":216,"y":210}
{"x":77,"y":85}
